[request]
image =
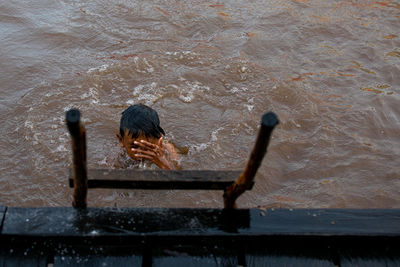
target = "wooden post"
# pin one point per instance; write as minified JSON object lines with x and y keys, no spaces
{"x":246,"y":179}
{"x":78,"y":136}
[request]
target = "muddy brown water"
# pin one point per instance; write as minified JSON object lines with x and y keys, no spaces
{"x":330,"y":70}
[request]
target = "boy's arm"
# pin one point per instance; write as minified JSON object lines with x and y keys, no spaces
{"x":173,"y":155}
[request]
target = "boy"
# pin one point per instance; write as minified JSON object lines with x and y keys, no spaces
{"x":140,"y":135}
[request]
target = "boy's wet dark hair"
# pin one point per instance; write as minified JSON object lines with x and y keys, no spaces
{"x":140,"y":119}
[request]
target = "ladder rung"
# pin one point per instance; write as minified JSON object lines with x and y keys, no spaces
{"x":159,"y":179}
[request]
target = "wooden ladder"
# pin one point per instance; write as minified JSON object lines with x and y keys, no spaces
{"x":234,"y":183}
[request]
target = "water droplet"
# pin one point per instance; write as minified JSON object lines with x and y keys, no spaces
{"x":94,"y":232}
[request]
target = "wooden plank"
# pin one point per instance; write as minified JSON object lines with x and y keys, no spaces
{"x":194,"y":261}
{"x":97,"y":260}
{"x":310,"y":237}
{"x":213,"y":255}
{"x":338,"y":222}
{"x":125,"y":222}
{"x":23,"y":261}
{"x":11,"y":259}
{"x":384,"y":255}
{"x":370,"y":262}
{"x":284,"y":260}
{"x":160,"y":179}
{"x":95,"y":222}
{"x":313,"y":252}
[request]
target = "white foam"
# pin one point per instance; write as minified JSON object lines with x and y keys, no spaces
{"x":61,"y":148}
{"x":249,"y":107}
{"x":141,"y":91}
{"x":187,"y":93}
{"x":200,"y":147}
{"x":28,"y":124}
{"x":103,"y":161}
{"x":70,"y":106}
{"x":213,"y":139}
{"x":138,"y":89}
{"x":188,"y":98}
{"x":99,"y":69}
{"x":149,"y":67}
{"x":84,"y":95}
{"x":236,"y":89}
{"x":149,"y":98}
{"x":36,"y":138}
{"x":181,"y":54}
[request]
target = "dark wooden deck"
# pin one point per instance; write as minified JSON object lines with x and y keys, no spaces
{"x":198,"y":237}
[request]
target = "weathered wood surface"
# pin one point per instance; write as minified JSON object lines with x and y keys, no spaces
{"x":8,"y":259}
{"x":97,"y":260}
{"x":139,"y":222}
{"x":285,"y":260}
{"x":371,"y":260}
{"x":199,"y":237}
{"x":194,"y":261}
{"x":159,"y":179}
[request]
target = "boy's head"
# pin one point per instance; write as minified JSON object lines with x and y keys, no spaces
{"x":139,"y":122}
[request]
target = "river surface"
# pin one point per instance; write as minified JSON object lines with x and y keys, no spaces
{"x":330,"y":70}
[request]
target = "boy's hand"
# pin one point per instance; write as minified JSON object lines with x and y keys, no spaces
{"x":153,"y":152}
